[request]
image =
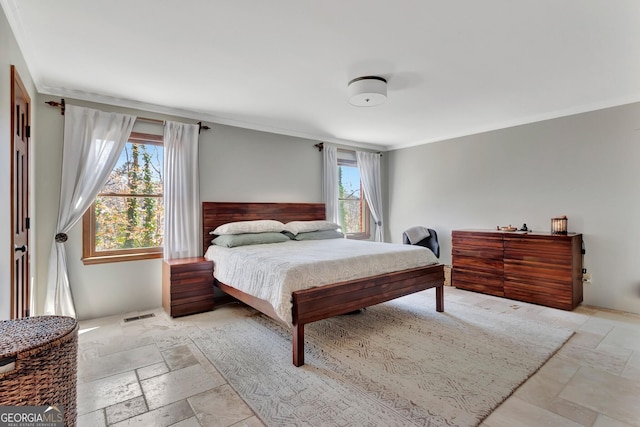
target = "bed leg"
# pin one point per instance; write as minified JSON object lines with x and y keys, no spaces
{"x":298,"y":344}
{"x":440,"y":298}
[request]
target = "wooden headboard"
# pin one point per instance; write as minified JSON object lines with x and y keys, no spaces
{"x":218,"y":213}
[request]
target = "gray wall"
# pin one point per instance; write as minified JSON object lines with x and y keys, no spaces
{"x":584,"y":166}
{"x":9,"y":55}
{"x":241,"y":165}
{"x":581,"y":166}
{"x":235,"y":165}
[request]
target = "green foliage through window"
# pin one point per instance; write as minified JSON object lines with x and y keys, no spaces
{"x":129,"y":211}
{"x":351,"y":204}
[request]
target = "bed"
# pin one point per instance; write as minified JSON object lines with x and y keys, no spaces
{"x":321,"y":302}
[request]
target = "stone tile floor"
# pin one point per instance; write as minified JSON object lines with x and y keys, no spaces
{"x":149,"y":373}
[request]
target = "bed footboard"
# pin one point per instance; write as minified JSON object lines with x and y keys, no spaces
{"x":323,"y":302}
{"x":319,"y":303}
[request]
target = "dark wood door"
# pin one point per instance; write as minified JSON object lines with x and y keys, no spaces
{"x":20,"y":134}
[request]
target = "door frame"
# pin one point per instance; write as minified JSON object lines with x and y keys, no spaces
{"x":20,"y":295}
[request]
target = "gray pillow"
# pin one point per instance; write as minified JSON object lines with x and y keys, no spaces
{"x":289,"y":234}
{"x":319,"y":235}
{"x":233,"y":240}
{"x":295,"y":227}
{"x":256,"y":226}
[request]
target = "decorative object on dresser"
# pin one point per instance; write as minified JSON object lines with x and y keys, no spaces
{"x":559,"y":225}
{"x":187,"y":286}
{"x":542,"y":268}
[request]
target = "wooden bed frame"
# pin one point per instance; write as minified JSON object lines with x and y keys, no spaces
{"x":318,"y":303}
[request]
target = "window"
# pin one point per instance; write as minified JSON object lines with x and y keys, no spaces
{"x":352,"y":206}
{"x":126,"y":221}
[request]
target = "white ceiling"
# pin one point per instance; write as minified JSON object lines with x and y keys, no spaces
{"x":454,"y":67}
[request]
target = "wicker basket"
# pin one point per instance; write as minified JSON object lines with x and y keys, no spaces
{"x":38,"y":363}
{"x":447,"y":275}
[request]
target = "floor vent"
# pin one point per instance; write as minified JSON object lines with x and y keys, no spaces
{"x":142,"y":316}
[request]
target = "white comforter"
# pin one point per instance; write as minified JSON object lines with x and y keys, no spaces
{"x":273,"y":271}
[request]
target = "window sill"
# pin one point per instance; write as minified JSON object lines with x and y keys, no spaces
{"x":105,"y":259}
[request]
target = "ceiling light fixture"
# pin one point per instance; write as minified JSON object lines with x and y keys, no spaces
{"x":367,"y":91}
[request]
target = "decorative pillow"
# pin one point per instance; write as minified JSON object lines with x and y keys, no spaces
{"x":319,"y":235}
{"x":257,"y":226}
{"x":295,"y":227}
{"x":233,"y":240}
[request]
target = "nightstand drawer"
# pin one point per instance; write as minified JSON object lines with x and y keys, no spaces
{"x":192,"y":306}
{"x":191,"y":289}
{"x":194,"y":268}
{"x":187,"y":279}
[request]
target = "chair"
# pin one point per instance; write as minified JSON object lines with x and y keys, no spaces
{"x":422,"y":236}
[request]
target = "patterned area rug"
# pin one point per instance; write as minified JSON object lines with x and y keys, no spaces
{"x":396,"y":364}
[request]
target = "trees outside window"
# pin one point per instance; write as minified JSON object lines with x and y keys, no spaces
{"x":126,"y":220}
{"x":352,"y":206}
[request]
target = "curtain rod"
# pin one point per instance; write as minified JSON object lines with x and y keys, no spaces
{"x":62,"y":106}
{"x":320,"y":147}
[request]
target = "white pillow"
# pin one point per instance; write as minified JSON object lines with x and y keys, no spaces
{"x":295,"y":227}
{"x":257,"y":226}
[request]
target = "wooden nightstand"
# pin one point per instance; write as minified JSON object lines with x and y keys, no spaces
{"x":187,"y":286}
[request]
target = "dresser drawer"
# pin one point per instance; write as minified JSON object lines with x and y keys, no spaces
{"x":555,"y":251}
{"x":489,"y":265}
{"x":538,"y":270}
{"x":480,"y":245}
{"x":478,"y":281}
{"x":550,"y":294}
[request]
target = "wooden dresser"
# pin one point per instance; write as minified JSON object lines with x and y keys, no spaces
{"x":541,"y":268}
{"x":187,"y":286}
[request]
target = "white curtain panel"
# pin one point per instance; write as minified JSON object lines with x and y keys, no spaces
{"x":330,"y":182}
{"x":93,"y":141}
{"x":181,"y":191}
{"x":369,"y":166}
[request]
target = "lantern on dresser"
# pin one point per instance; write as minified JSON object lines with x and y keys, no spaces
{"x":559,"y":225}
